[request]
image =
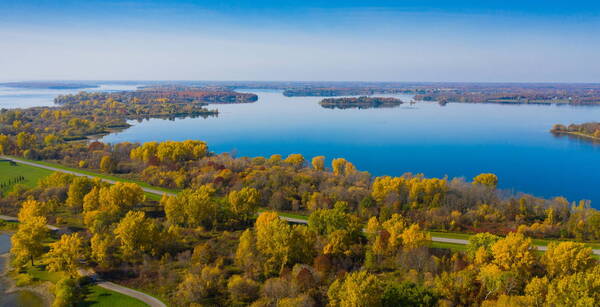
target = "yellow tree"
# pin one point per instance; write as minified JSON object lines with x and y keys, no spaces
{"x":579,"y":289}
{"x":341,"y":166}
{"x":297,"y":160}
{"x":27,"y":242}
{"x":272,"y":240}
{"x":65,"y":254}
{"x":246,"y":255}
{"x":80,"y":187}
{"x":515,"y":253}
{"x":243,"y":203}
{"x":29,"y":209}
{"x":107,"y":164}
{"x":120,"y":197}
{"x":490,"y":180}
{"x":413,"y":237}
{"x":137,"y":234}
{"x":318,"y":163}
{"x":101,"y":249}
{"x":567,"y":258}
{"x":356,"y":289}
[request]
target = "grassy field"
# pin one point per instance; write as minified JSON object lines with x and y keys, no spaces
{"x":99,"y":175}
{"x":100,"y":297}
{"x":94,"y":295}
{"x":32,"y":174}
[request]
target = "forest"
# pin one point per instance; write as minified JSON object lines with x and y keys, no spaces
{"x":217,"y":238}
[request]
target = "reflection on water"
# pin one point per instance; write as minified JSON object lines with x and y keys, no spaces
{"x":18,"y":298}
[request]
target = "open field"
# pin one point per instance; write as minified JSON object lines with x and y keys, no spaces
{"x":10,"y":172}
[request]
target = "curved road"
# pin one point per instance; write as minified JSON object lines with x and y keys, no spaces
{"x":150,"y":300}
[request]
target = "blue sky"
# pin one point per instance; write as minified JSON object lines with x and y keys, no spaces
{"x":487,"y":41}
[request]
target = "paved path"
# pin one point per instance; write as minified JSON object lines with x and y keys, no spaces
{"x":289,"y":219}
{"x":55,"y":169}
{"x":434,"y":239}
{"x":150,"y":300}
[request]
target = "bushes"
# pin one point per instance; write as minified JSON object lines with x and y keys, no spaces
{"x":66,"y":293}
{"x":242,"y":290}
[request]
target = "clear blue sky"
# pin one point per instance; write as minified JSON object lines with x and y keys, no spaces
{"x":527,"y":40}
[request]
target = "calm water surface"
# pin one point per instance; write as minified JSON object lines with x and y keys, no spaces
{"x":19,"y":298}
{"x":458,"y":140}
{"x":11,"y":97}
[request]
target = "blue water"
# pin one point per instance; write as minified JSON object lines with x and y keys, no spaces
{"x":11,"y":97}
{"x":458,"y":140}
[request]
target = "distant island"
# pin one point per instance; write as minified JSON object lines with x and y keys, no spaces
{"x":362,"y":102}
{"x":586,"y":130}
{"x":49,"y":85}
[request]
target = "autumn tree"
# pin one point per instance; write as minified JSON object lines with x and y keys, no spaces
{"x":487,"y":179}
{"x":479,"y":247}
{"x":137,"y":234}
{"x":242,"y":290}
{"x":516,"y":253}
{"x":27,"y":242}
{"x":296,"y":160}
{"x":246,"y":255}
{"x":65,"y":254}
{"x":356,"y":289}
{"x":194,"y":207}
{"x":280,"y":243}
{"x":318,"y":163}
{"x":567,"y":258}
{"x":243,"y":203}
{"x":78,"y":188}
{"x":107,"y":164}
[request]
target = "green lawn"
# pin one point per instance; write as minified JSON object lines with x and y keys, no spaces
{"x":100,"y":297}
{"x":99,"y":175}
{"x":94,"y":295}
{"x":32,"y":174}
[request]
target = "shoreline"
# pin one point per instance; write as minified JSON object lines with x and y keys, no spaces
{"x":576,"y":134}
{"x":40,"y":290}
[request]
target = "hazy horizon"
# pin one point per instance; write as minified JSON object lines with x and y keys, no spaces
{"x":378,"y":41}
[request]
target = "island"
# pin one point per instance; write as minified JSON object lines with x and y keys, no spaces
{"x":362,"y":102}
{"x":590,"y":131}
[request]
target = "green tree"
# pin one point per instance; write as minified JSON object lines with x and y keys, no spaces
{"x":408,"y":294}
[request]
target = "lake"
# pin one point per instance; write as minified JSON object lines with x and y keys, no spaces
{"x":457,"y":140}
